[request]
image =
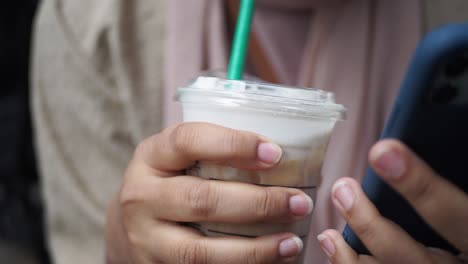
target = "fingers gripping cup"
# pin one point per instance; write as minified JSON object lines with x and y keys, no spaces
{"x":299,"y":120}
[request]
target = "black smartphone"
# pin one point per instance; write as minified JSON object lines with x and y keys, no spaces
{"x":430,"y":116}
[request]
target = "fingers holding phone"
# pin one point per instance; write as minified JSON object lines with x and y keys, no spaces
{"x":438,"y":201}
{"x":443,"y":205}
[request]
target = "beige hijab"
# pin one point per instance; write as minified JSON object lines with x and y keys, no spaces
{"x":358,"y":49}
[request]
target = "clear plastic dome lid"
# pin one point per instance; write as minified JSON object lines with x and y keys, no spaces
{"x":262,"y":96}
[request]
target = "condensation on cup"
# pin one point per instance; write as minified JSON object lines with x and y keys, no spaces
{"x":299,"y":120}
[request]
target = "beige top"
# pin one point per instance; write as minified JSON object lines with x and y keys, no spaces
{"x":98,"y":91}
{"x":96,"y":95}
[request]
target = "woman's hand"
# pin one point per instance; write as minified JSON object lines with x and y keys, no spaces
{"x":440,"y":203}
{"x":145,"y":223}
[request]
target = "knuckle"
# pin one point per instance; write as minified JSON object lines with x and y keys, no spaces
{"x":192,"y":252}
{"x":182,"y":137}
{"x":366,"y":229}
{"x":129,"y":202}
{"x":135,"y":197}
{"x":203,"y":199}
{"x":128,"y":196}
{"x":133,"y":191}
{"x":254,"y":256}
{"x":141,"y":148}
{"x":267,"y":205}
{"x":151,"y":147}
{"x":145,"y":147}
{"x":135,"y":240}
{"x":421,"y":193}
{"x":232,"y":141}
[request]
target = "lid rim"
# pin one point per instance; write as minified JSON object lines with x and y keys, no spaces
{"x":335,"y":111}
{"x":283,"y":98}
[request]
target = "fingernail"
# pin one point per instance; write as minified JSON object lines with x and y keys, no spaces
{"x":327,"y":244}
{"x":344,"y":194}
{"x":269,"y":153}
{"x":301,"y":205}
{"x":389,"y":163}
{"x":291,"y":247}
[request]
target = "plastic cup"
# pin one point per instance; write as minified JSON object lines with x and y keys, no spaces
{"x":299,"y":120}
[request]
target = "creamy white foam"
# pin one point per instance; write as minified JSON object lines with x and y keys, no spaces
{"x":288,"y":131}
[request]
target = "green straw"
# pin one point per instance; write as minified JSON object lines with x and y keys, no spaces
{"x":241,"y":40}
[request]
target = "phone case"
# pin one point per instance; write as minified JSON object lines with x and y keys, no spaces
{"x":430,"y":115}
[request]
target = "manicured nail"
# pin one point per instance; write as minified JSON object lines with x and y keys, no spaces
{"x":344,"y":194}
{"x":389,"y":163}
{"x":301,"y":205}
{"x":327,"y":244}
{"x":291,"y":247}
{"x":269,"y":153}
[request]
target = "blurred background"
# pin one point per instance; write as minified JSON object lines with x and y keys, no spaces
{"x":21,"y":225}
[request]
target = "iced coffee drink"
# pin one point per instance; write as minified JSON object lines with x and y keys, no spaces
{"x":299,"y":120}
